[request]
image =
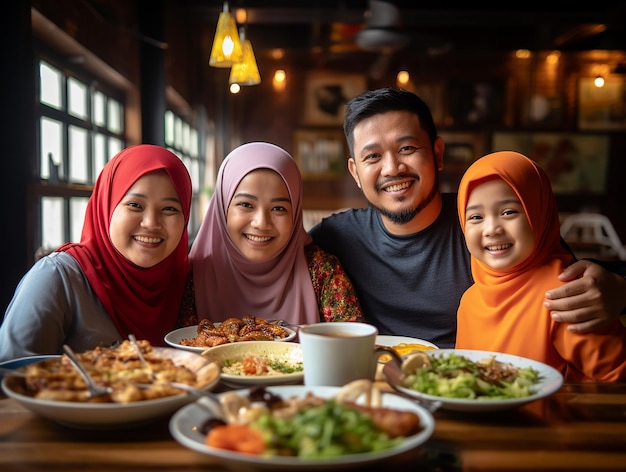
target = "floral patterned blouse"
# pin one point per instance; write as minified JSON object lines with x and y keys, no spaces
{"x":336,"y":298}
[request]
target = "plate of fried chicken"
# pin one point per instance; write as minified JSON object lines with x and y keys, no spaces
{"x":208,"y":334}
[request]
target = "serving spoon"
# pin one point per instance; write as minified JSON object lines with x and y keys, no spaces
{"x":393,"y":374}
{"x":95,"y":390}
{"x":182,"y":386}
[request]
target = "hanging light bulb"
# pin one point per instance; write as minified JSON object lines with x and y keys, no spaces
{"x":403,"y":77}
{"x":279,"y":82}
{"x":226,"y":49}
{"x":245,"y":72}
{"x":598,"y":81}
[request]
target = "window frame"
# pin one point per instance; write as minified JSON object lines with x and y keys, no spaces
{"x":43,"y":186}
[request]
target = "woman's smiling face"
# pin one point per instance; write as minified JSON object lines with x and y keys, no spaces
{"x":147,"y":224}
{"x":260,"y":215}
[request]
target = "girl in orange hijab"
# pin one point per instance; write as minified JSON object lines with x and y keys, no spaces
{"x":127,"y":273}
{"x":510,"y":220}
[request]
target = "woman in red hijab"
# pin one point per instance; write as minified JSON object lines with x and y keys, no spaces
{"x":127,"y":273}
{"x":510,"y":220}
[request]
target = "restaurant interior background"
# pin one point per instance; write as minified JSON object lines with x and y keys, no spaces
{"x":495,"y":78}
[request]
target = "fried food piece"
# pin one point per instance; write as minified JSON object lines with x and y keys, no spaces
{"x":248,"y":328}
{"x":393,"y":422}
{"x":230,"y":328}
{"x":120,"y":367}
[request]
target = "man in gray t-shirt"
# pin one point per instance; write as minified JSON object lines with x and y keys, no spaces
{"x":406,"y":254}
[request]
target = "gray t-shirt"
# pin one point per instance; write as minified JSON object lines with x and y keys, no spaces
{"x":407,"y":285}
{"x":54,"y":305}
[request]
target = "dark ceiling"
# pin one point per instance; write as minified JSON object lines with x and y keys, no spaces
{"x":436,"y":29}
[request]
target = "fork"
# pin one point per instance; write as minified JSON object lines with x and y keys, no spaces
{"x":95,"y":390}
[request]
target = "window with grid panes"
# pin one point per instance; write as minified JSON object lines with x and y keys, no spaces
{"x":80,"y":128}
{"x":183,"y":140}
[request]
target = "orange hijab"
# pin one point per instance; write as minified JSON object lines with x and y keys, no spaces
{"x":141,"y":301}
{"x":502,"y":302}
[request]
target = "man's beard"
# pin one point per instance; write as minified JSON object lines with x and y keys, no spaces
{"x":404,"y":216}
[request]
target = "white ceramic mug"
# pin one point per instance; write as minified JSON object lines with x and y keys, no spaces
{"x":337,"y":353}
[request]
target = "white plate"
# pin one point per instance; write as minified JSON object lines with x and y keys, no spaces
{"x":289,"y":352}
{"x":551,"y":381}
{"x":387,"y":340}
{"x":186,"y":424}
{"x":173,"y":338}
{"x":391,"y":341}
{"x":116,"y":415}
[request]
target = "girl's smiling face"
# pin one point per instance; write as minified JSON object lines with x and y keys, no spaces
{"x":260,"y":215}
{"x":497,"y":231}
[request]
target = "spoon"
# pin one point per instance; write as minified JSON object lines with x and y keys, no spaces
{"x":394,"y":374}
{"x":142,"y":359}
{"x":95,"y":390}
{"x":182,"y":386}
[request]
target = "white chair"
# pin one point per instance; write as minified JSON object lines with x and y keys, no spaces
{"x":594,"y":234}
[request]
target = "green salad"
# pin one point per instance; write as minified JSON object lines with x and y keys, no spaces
{"x":456,"y":376}
{"x":327,"y":430}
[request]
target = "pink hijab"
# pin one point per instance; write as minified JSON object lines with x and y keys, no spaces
{"x":229,"y":285}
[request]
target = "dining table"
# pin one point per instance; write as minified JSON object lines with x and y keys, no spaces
{"x":580,"y":427}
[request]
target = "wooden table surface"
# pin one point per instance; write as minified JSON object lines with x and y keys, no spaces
{"x":580,"y":427}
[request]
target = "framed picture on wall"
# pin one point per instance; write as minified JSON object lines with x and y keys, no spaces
{"x":434,"y":96}
{"x":320,"y":153}
{"x":476,"y":103}
{"x":576,"y":163}
{"x":542,"y":110}
{"x":602,"y":108}
{"x":327,"y":95}
{"x":462,"y":148}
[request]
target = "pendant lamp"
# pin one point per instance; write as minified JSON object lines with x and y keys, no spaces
{"x":226,"y":49}
{"x":245,"y":72}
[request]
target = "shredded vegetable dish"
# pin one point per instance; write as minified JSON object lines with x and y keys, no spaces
{"x":455,"y":376}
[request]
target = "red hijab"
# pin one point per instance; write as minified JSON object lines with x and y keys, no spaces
{"x":141,"y":301}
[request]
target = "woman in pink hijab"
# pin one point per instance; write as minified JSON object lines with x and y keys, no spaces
{"x":252,"y":255}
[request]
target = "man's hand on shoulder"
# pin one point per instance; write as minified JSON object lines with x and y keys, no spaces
{"x":592,"y":297}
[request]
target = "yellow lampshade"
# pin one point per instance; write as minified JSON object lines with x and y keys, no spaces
{"x":226,"y":49}
{"x":245,"y":72}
